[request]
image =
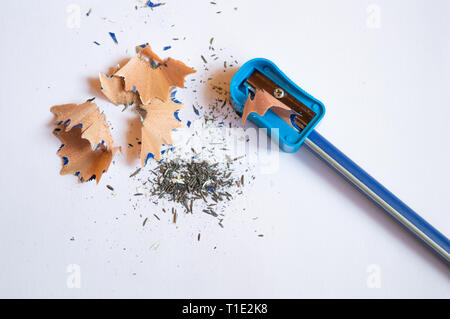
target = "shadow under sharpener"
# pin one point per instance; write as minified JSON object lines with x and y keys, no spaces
{"x":263,"y":74}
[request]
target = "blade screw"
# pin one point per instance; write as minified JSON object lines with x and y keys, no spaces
{"x":279,"y":93}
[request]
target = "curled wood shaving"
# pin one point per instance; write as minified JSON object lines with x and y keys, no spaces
{"x":175,"y":72}
{"x":113,"y":88}
{"x":147,"y":51}
{"x":157,"y":128}
{"x":261,"y":102}
{"x":150,"y":80}
{"x":78,"y":156}
{"x":140,"y":77}
{"x":87,"y":147}
{"x":87,"y":117}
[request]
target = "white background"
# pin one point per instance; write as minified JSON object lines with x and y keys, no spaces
{"x":386,"y":90}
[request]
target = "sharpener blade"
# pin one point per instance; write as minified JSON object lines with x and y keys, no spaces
{"x":302,"y":115}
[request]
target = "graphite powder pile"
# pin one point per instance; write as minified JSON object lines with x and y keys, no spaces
{"x":185,"y":182}
{"x":197,"y":186}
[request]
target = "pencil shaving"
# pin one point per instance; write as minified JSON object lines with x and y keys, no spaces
{"x":140,"y":77}
{"x":113,"y":88}
{"x":157,"y":128}
{"x":175,"y":71}
{"x":150,"y":80}
{"x":86,"y":116}
{"x":284,"y":115}
{"x":145,"y":80}
{"x":78,"y":156}
{"x":99,"y":134}
{"x":75,"y":114}
{"x":147,"y":51}
{"x":261,"y":102}
{"x":87,"y":147}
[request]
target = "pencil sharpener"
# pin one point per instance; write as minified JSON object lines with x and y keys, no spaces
{"x":265,"y":75}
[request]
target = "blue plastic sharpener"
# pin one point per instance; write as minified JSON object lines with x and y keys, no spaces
{"x":264,"y":74}
{"x":298,"y":128}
